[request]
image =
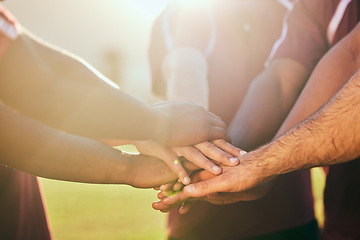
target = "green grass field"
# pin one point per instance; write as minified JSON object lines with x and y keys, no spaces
{"x":86,"y":211}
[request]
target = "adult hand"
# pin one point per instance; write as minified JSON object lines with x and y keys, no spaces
{"x":170,"y":199}
{"x":189,"y":124}
{"x":247,"y":175}
{"x":205,"y":155}
{"x":151,"y":172}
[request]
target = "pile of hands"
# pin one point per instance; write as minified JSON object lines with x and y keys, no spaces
{"x":203,"y":170}
{"x":212,"y":171}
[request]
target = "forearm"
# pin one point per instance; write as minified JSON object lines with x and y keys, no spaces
{"x":37,"y":149}
{"x":329,"y":76}
{"x":330,"y":136}
{"x":58,"y":89}
{"x":268,"y":101}
{"x":185,"y":70}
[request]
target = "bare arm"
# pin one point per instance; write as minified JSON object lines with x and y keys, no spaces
{"x":185,"y":70}
{"x":329,"y":76}
{"x":330,"y":136}
{"x":269,"y":99}
{"x":64,"y":92}
{"x":35,"y":148}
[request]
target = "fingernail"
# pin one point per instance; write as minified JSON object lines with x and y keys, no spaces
{"x":216,"y":169}
{"x":186,"y":180}
{"x":189,"y":189}
{"x":233,"y":160}
{"x":242,"y":152}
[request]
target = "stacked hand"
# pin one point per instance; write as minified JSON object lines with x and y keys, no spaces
{"x":206,"y":155}
{"x":243,"y":182}
{"x":189,"y":124}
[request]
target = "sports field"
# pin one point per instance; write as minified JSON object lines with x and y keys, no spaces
{"x":93,"y":212}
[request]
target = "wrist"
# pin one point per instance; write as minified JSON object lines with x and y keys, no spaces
{"x":267,"y":163}
{"x":162,"y":127}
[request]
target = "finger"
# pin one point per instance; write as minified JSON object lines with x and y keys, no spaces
{"x":166,"y":210}
{"x":194,"y":155}
{"x":177,"y":187}
{"x":203,"y":188}
{"x":201,"y":176}
{"x":221,"y":198}
{"x":162,"y":207}
{"x":171,"y":159}
{"x":166,"y":187}
{"x":161,"y":195}
{"x":217,"y":154}
{"x":228,"y":148}
{"x":185,"y":207}
{"x":175,"y":199}
{"x":156,"y":188}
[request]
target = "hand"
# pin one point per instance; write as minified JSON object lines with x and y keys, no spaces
{"x":150,"y":172}
{"x":170,"y":197}
{"x":189,"y":124}
{"x":219,"y":151}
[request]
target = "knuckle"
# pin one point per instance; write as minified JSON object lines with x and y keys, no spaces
{"x":203,"y":185}
{"x":208,"y":147}
{"x":192,"y":151}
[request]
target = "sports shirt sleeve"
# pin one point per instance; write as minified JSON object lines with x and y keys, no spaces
{"x":305,"y":32}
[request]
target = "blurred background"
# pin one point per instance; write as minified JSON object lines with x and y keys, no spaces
{"x":113,"y":36}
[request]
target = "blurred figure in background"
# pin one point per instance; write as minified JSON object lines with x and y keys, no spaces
{"x":319,"y":30}
{"x":210,"y":52}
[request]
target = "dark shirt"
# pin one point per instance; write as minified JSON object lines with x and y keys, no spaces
{"x":307,"y":43}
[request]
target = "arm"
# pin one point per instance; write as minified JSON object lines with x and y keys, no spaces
{"x":268,"y":101}
{"x":184,"y":67}
{"x":318,"y":141}
{"x":185,"y":70}
{"x":334,"y":69}
{"x":328,"y":137}
{"x":64,"y":92}
{"x":35,"y":148}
